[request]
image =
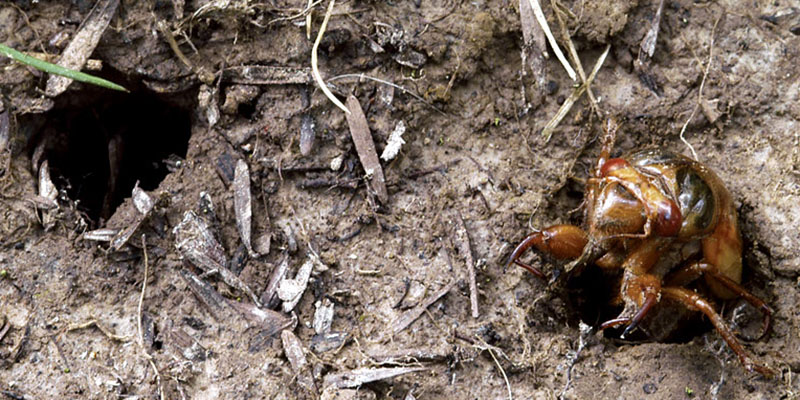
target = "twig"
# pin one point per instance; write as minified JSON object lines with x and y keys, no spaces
{"x":464,"y":247}
{"x":164,"y":29}
{"x":539,"y":14}
{"x":365,"y":147}
{"x":547,"y":132}
{"x":83,"y":43}
{"x":700,"y":91}
{"x":394,"y":85}
{"x":411,"y":315}
{"x":315,"y":68}
{"x":139,"y":319}
{"x":94,"y":322}
{"x":573,"y":53}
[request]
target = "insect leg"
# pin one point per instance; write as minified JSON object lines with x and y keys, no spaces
{"x":694,"y":302}
{"x":560,"y":241}
{"x":692,"y":272}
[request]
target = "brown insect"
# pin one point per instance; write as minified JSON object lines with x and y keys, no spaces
{"x":642,"y":212}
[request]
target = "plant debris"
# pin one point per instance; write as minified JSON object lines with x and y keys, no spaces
{"x":143,"y":204}
{"x":297,"y":358}
{"x":242,"y":204}
{"x":291,"y":290}
{"x":49,"y":193}
{"x":360,"y":376}
{"x":395,"y":142}
{"x":411,"y":315}
{"x":534,"y":49}
{"x":195,"y":242}
{"x":365,"y":147}
{"x":83,"y":44}
{"x":270,"y":322}
{"x":463,"y":245}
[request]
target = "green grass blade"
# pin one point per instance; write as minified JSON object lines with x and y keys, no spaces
{"x":58,"y":70}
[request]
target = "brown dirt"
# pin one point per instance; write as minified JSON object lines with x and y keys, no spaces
{"x":503,"y":179}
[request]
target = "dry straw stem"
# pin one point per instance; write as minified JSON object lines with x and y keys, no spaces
{"x":547,"y":132}
{"x":539,"y":14}
{"x":314,"y":61}
{"x":573,"y":54}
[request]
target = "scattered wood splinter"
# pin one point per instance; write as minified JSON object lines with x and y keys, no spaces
{"x":365,"y":148}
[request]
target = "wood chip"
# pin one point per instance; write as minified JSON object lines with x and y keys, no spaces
{"x":329,"y":341}
{"x":275,"y":279}
{"x":267,"y":75}
{"x":291,"y":290}
{"x":648,"y":45}
{"x":143,"y":204}
{"x":365,"y":147}
{"x":242,"y":204}
{"x":404,"y":356}
{"x":101,"y":235}
{"x":307,"y":134}
{"x":83,"y":44}
{"x":534,"y":50}
{"x":411,"y":315}
{"x":5,"y":128}
{"x":224,"y":310}
{"x":141,"y":200}
{"x":360,"y":376}
{"x":297,"y":358}
{"x":195,"y":242}
{"x":47,"y":190}
{"x":186,"y":345}
{"x":323,"y":316}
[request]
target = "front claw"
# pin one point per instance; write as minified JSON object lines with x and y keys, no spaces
{"x":560,"y":241}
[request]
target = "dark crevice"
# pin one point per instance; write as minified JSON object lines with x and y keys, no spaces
{"x":99,"y":143}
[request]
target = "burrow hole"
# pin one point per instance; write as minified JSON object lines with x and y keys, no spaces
{"x":99,"y":143}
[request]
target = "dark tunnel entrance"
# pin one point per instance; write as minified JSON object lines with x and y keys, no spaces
{"x":99,"y":143}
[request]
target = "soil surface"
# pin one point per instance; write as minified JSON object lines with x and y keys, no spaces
{"x":474,"y":173}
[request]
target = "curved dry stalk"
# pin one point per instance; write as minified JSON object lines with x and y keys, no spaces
{"x":315,"y":68}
